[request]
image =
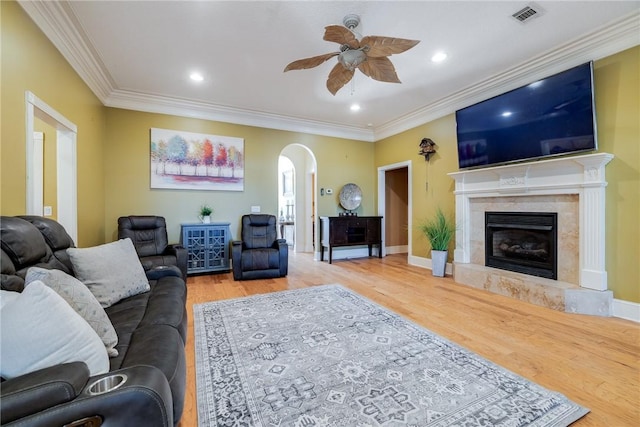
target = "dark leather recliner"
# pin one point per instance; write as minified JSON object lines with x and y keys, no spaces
{"x":260,"y":254}
{"x":149,"y":236}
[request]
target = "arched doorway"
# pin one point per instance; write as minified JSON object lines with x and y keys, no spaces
{"x":297,"y":189}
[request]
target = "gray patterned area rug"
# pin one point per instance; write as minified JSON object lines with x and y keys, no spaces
{"x":327,"y":357}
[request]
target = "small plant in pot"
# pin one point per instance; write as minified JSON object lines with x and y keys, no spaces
{"x":439,"y":231}
{"x":205,"y":214}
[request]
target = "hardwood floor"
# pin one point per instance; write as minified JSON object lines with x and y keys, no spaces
{"x":594,"y":361}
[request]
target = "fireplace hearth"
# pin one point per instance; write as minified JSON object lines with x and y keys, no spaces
{"x":524,"y":242}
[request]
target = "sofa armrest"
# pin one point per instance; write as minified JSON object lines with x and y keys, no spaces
{"x":159,"y":271}
{"x":283,"y":249}
{"x":41,"y":389}
{"x":236,"y":258}
{"x":143,"y":399}
{"x":181,"y":254}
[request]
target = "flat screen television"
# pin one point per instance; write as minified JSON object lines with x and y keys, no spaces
{"x":550,"y":117}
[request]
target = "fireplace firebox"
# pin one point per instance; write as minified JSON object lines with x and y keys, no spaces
{"x":524,"y":242}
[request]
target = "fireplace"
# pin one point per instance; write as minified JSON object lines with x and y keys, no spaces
{"x":573,"y":187}
{"x":524,"y":242}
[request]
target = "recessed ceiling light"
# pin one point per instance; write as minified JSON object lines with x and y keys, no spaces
{"x":355,"y":107}
{"x":196,"y":77}
{"x":439,"y":57}
{"x":506,"y":114}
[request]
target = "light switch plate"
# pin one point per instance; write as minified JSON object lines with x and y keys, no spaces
{"x":255,"y":209}
{"x":48,"y":211}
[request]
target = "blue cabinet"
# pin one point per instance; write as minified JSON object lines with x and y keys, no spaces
{"x":208,"y":246}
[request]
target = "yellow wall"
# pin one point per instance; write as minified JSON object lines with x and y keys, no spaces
{"x":30,"y":62}
{"x":127,"y":171}
{"x":617,"y":86}
{"x":431,"y":186}
{"x":617,"y":96}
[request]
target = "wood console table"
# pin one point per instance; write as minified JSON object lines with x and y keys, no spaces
{"x":349,"y":231}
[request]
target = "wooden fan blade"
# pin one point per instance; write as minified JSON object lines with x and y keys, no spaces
{"x":342,"y":35}
{"x":380,"y":69}
{"x":338,"y":77}
{"x":305,"y":63}
{"x":385,"y":46}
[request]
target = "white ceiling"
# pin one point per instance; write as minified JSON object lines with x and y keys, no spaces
{"x":138,"y":55}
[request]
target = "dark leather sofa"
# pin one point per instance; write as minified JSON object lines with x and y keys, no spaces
{"x":151,"y":329}
{"x":260,"y":254}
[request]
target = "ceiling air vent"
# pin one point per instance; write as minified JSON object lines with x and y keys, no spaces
{"x":527,"y":13}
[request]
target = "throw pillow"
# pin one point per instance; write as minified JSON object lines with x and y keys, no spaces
{"x":7,"y":297}
{"x":39,"y":329}
{"x":80,"y":298}
{"x":111,"y":271}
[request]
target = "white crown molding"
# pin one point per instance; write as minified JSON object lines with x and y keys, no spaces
{"x":203,"y":110}
{"x":605,"y":41}
{"x":58,"y":22}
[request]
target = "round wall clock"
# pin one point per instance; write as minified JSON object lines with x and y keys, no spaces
{"x":350,"y":196}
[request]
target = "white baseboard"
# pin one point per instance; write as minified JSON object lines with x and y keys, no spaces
{"x":347,"y":253}
{"x":626,"y":310}
{"x":402,"y":249}
{"x":426,"y":263}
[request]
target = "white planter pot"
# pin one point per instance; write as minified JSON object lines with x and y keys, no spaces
{"x":438,"y":262}
{"x":205,"y":219}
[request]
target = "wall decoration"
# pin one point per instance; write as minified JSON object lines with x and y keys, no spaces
{"x":194,"y":161}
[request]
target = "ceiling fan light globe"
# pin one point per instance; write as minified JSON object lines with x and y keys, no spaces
{"x":350,"y":59}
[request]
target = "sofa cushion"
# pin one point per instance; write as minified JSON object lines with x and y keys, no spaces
{"x":164,"y":304}
{"x":111,"y":271}
{"x":53,"y":232}
{"x":22,"y":242}
{"x":39,"y":329}
{"x":9,"y":281}
{"x":78,"y":296}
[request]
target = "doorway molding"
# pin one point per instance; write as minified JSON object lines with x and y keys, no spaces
{"x":382,"y":202}
{"x":66,"y":160}
{"x":306,"y":205}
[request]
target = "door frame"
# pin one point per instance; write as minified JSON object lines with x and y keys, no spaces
{"x":66,"y":160}
{"x":382,"y":203}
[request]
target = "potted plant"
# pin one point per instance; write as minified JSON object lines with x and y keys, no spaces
{"x":439,"y":230}
{"x":205,"y":214}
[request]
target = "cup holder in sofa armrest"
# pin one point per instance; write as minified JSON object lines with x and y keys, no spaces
{"x":107,"y":384}
{"x":137,"y":395}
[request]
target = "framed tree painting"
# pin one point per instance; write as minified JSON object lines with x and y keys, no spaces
{"x":194,"y":161}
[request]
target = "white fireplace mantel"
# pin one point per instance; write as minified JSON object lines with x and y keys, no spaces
{"x":583,"y":175}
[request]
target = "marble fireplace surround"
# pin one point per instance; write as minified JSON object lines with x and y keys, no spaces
{"x":574,"y":187}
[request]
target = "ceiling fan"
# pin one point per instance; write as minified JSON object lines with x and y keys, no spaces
{"x":369,"y":55}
